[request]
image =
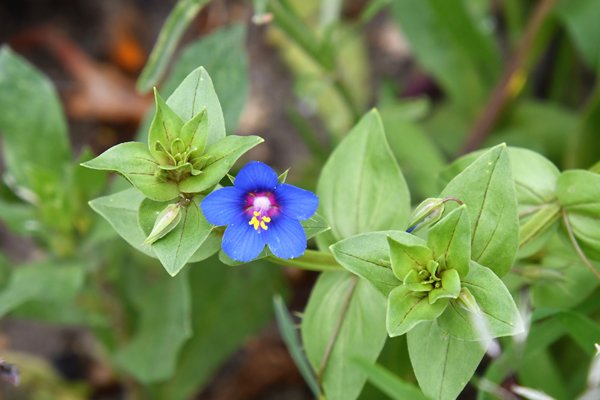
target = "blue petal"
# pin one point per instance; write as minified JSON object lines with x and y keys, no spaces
{"x":295,"y":202}
{"x":241,"y":242}
{"x":285,"y":237}
{"x":223,"y":206}
{"x":256,"y":176}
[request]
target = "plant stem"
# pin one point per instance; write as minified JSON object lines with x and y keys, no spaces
{"x":303,"y":36}
{"x":312,"y":260}
{"x":512,"y":81}
{"x":578,"y":249}
{"x":336,"y":330}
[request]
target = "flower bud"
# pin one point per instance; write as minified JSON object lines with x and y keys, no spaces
{"x":427,"y":213}
{"x":166,"y":221}
{"x":467,"y":301}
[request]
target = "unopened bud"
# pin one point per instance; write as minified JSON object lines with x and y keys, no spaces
{"x":467,"y":301}
{"x":427,"y":213}
{"x":166,"y":221}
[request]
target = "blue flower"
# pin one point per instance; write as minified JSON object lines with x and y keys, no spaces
{"x":259,"y":211}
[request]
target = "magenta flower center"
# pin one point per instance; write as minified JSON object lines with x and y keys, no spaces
{"x":261,"y":207}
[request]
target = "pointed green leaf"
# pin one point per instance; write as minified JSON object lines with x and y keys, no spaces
{"x":368,"y":256}
{"x":486,"y":187}
{"x":162,"y":307}
{"x":224,"y":154}
{"x":499,"y":314}
{"x":165,"y":128}
{"x":450,"y":238}
{"x":195,"y":131}
{"x":121,"y":212}
{"x":361,"y":188}
{"x":578,"y":192}
{"x":407,"y":255}
{"x":442,"y":364}
{"x":406,"y":309}
{"x":32,"y":123}
{"x":195,"y":94}
{"x":450,"y":287}
{"x":134,"y":162}
{"x":346,"y":315}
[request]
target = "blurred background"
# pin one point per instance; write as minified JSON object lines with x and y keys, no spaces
{"x":448,"y":77}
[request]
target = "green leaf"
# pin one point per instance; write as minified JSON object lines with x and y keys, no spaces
{"x":581,"y":20}
{"x":487,"y":188}
{"x":443,"y":365}
{"x":406,"y":309}
{"x":195,"y":132}
{"x":292,"y":342}
{"x":195,"y":94}
{"x":450,"y":238}
{"x":361,"y":188}
{"x":408,"y":253}
{"x":178,"y":20}
{"x":451,"y":46}
{"x":177,"y":247}
{"x":223,"y":54}
{"x":134,"y":162}
{"x":223,"y":154}
{"x":47,"y":281}
{"x":573,"y":284}
{"x":19,"y":218}
{"x":535,"y":178}
{"x":388,"y":383}
{"x":499,"y":314}
{"x":229,"y":306}
{"x":578,"y":192}
{"x":162,"y":305}
{"x":368,"y":256}
{"x":165,"y":128}
{"x":344,"y":319}
{"x":121,"y":212}
{"x":32,"y":123}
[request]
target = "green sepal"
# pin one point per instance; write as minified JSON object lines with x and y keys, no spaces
{"x":135,"y":163}
{"x":406,"y":309}
{"x":194,"y":132}
{"x":165,"y":128}
{"x":449,"y":289}
{"x":499,"y":314}
{"x":450,"y":239}
{"x":223,"y":154}
{"x":408,"y":255}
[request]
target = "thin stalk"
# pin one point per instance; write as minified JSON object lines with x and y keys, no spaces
{"x":336,"y":330}
{"x":513,"y":80}
{"x":312,"y":260}
{"x":578,"y":249}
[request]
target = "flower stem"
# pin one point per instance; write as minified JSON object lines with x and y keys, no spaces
{"x":312,"y":260}
{"x":578,"y":249}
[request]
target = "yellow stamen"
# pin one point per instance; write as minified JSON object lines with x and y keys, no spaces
{"x":259,"y":224}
